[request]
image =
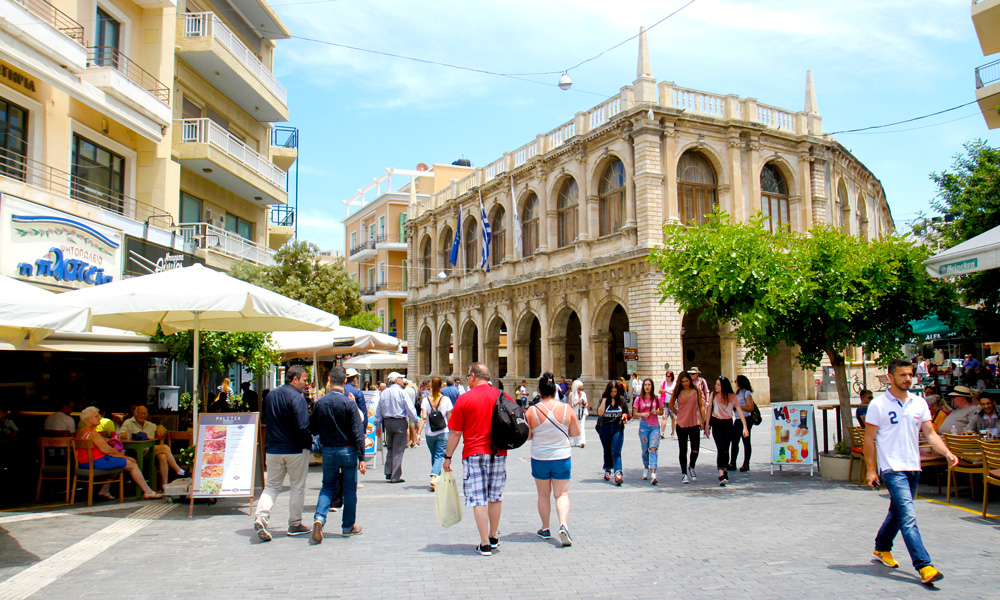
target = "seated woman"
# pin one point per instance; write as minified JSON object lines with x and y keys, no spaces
{"x":104,"y":456}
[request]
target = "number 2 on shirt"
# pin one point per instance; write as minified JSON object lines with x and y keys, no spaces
{"x":892,"y":418}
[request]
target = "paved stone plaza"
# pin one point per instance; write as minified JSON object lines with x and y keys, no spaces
{"x":786,"y":535}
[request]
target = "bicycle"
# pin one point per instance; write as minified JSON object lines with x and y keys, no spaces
{"x":857,"y":386}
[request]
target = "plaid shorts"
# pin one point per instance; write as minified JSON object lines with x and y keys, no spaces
{"x":485,"y":476}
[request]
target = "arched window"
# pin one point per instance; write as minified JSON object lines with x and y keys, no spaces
{"x":697,"y":188}
{"x":471,"y":242}
{"x":862,"y":216}
{"x":612,"y":198}
{"x":426,"y":267}
{"x":568,"y":202}
{"x":499,"y":239}
{"x":529,"y":226}
{"x":843,"y":209}
{"x":447,"y":239}
{"x":773,"y":198}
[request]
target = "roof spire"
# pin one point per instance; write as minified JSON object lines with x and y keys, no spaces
{"x":811,"y":106}
{"x":645,"y":84}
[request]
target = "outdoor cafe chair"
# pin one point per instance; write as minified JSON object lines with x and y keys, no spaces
{"x":991,"y":469}
{"x":970,"y":460}
{"x":94,"y":476}
{"x":181,"y":437}
{"x":63,"y":447}
{"x":857,"y":452}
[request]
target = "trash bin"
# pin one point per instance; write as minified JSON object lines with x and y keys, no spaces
{"x":167,"y":397}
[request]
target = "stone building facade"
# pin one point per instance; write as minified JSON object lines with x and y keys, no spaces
{"x":592,"y":198}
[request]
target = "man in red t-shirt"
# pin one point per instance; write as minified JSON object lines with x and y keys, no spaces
{"x":485,"y":474}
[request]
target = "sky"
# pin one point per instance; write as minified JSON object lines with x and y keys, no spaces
{"x":360,"y":112}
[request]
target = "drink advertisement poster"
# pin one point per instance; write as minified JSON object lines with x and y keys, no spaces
{"x":371,"y":442}
{"x":225,"y":455}
{"x":794,"y":434}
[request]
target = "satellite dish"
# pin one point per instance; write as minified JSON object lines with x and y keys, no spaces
{"x":423,"y":167}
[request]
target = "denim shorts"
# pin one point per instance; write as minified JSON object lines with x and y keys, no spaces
{"x":551,"y":469}
{"x":106,"y":463}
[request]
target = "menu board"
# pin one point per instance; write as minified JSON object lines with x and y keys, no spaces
{"x":224,"y":458}
{"x":794,"y":434}
{"x":371,"y":442}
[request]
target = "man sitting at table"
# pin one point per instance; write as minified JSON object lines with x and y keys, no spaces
{"x":862,"y":411}
{"x":958,"y":420}
{"x":61,"y":421}
{"x":138,"y":428}
{"x":986,"y":416}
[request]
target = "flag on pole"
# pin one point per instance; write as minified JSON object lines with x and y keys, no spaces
{"x":517,"y":222}
{"x":487,"y":235}
{"x":453,"y":259}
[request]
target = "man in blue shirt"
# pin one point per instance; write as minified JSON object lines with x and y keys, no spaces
{"x":450,"y":390}
{"x":394,"y":414}
{"x":287,"y":438}
{"x":352,"y":390}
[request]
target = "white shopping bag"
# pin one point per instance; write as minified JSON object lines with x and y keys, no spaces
{"x":449,"y":505}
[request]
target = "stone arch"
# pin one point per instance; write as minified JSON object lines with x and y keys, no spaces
{"x":497,"y":348}
{"x":701,"y":194}
{"x":470,"y":243}
{"x":498,"y":230}
{"x":610,"y":322}
{"x":605,"y":160}
{"x":532,"y":231}
{"x":841,"y":206}
{"x":568,"y":215}
{"x":424,"y":346}
{"x":445,"y":350}
{"x":775,"y":198}
{"x":425,"y":262}
{"x":861,"y":214}
{"x":445,"y":240}
{"x":566,"y":342}
{"x":528,"y":341}
{"x":469,"y":343}
{"x":709,"y":153}
{"x":787,"y":171}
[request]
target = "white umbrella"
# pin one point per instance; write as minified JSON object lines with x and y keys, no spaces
{"x":377,"y":361}
{"x":197,"y":298}
{"x":342,"y":340}
{"x":980,"y":253}
{"x":27,"y":311}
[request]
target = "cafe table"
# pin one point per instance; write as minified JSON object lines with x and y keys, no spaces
{"x":835,"y":406}
{"x":146,"y":466}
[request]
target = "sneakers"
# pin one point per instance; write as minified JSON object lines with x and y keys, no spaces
{"x":495,"y":542}
{"x":298,"y":529}
{"x":261,"y":528}
{"x":544,"y":534}
{"x":886,"y":559}
{"x":485,"y":549}
{"x":685,"y":478}
{"x":619,"y":479}
{"x":564,"y":536}
{"x":744,"y":468}
{"x":607,"y":475}
{"x":694,"y":476}
{"x":318,"y":532}
{"x":731,"y":466}
{"x":645,"y":473}
{"x":655,"y":480}
{"x":723,"y":481}
{"x":356,"y":530}
{"x":929,"y":574}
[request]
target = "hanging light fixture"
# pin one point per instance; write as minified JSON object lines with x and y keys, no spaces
{"x":565,"y":82}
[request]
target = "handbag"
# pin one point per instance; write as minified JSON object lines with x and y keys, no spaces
{"x":755,"y":417}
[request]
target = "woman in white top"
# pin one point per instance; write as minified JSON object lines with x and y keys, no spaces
{"x":552,"y":424}
{"x":720,"y":424}
{"x":434,"y":413}
{"x":667,"y":392}
{"x":578,"y":400}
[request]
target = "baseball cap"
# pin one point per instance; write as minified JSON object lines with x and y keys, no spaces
{"x":352,"y":372}
{"x":393,"y":377}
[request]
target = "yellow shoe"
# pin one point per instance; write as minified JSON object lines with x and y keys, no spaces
{"x":929,"y":575}
{"x":886,"y":559}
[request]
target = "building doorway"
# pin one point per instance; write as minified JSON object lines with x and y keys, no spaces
{"x":445,"y":351}
{"x":702,"y":346}
{"x":617,"y":327}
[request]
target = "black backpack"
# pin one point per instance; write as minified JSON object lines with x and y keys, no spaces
{"x":510,"y":429}
{"x":435,"y":418}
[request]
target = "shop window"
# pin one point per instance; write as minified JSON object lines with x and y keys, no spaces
{"x":98,"y":175}
{"x":13,"y":140}
{"x":240,"y":227}
{"x":612,"y":198}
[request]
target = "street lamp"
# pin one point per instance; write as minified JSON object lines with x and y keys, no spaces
{"x":565,"y":82}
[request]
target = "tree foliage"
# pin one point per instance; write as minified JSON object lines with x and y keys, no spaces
{"x":366,"y":320}
{"x":300,"y":275}
{"x":254,"y":350}
{"x":820,"y":293}
{"x":969,"y":198}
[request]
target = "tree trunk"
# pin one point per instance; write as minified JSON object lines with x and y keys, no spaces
{"x":843,"y":390}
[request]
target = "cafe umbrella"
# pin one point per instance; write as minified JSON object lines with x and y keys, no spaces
{"x":323,"y":344}
{"x":32,"y":313}
{"x":197,"y":298}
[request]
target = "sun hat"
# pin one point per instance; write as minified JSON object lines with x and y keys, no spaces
{"x":694,"y":370}
{"x":961,"y":390}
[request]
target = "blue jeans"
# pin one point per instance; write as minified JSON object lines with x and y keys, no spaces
{"x":902,"y":517}
{"x":437,"y":444}
{"x":340,"y":467}
{"x":612,"y":438}
{"x":649,"y":439}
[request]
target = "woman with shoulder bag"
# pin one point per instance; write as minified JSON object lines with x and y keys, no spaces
{"x":578,"y":400}
{"x":720,"y":424}
{"x":744,"y":394}
{"x":435,"y":410}
{"x":612,"y":416}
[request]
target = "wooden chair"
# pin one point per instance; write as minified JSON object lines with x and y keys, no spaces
{"x":991,"y":469}
{"x":970,"y":459}
{"x":52,"y":445}
{"x":94,"y":476}
{"x":857,"y":452}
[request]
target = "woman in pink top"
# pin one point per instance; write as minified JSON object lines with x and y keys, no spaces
{"x":689,"y":406}
{"x":647,"y":408}
{"x":722,"y":407}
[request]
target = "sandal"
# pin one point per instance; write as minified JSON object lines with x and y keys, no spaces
{"x":108,"y":497}
{"x":153,"y":496}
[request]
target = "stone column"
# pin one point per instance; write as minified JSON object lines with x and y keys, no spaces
{"x":648,"y":179}
{"x":753,"y":166}
{"x":671,"y":206}
{"x":543,"y":322}
{"x":804,"y":187}
{"x":817,"y":181}
{"x":436,"y":367}
{"x":736,"y":145}
{"x":586,"y":348}
{"x":557,"y":351}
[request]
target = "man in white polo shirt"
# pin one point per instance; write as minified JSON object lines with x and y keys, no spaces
{"x":893,"y":423}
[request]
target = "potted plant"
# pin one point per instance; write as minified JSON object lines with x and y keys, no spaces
{"x":837,"y":464}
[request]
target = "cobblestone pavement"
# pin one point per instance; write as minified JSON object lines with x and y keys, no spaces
{"x":764,"y":536}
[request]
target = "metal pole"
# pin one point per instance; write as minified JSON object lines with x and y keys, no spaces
{"x":194,"y":396}
{"x":297,"y":159}
{"x":864,"y":368}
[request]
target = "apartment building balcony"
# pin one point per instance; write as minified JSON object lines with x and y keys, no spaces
{"x":986,"y":20}
{"x":988,"y":92}
{"x":280,"y":226}
{"x":368,"y":295}
{"x":203,"y":239}
{"x":217,"y":54}
{"x":120,"y":77}
{"x":391,"y":241}
{"x":45,"y":31}
{"x":391,"y":290}
{"x":284,"y":146}
{"x":363,"y":251}
{"x":209,"y":150}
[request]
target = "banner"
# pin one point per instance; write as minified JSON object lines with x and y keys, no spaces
{"x":224,"y":458}
{"x":143,"y":257}
{"x":793,"y":434}
{"x":371,"y":442}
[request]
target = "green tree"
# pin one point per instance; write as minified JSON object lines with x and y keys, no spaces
{"x":969,"y":198}
{"x":364,"y":320}
{"x":300,"y":275}
{"x":819,"y":293}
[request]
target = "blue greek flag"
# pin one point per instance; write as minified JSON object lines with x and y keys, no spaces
{"x":453,"y":259}
{"x":487,"y":235}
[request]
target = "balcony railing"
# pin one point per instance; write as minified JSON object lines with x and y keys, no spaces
{"x":205,"y":131}
{"x":391,"y":238}
{"x":987,"y":74}
{"x":368,"y":291}
{"x":207,"y":23}
{"x":23,"y":169}
{"x":393,"y":286}
{"x":56,"y":18}
{"x":285,"y":137}
{"x":207,"y":236}
{"x":365,"y":245}
{"x":109,"y":56}
{"x":282,"y":216}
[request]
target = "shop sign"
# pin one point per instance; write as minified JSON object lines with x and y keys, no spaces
{"x":48,"y":246}
{"x":143,"y":257}
{"x":962,"y":266}
{"x":16,"y":78}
